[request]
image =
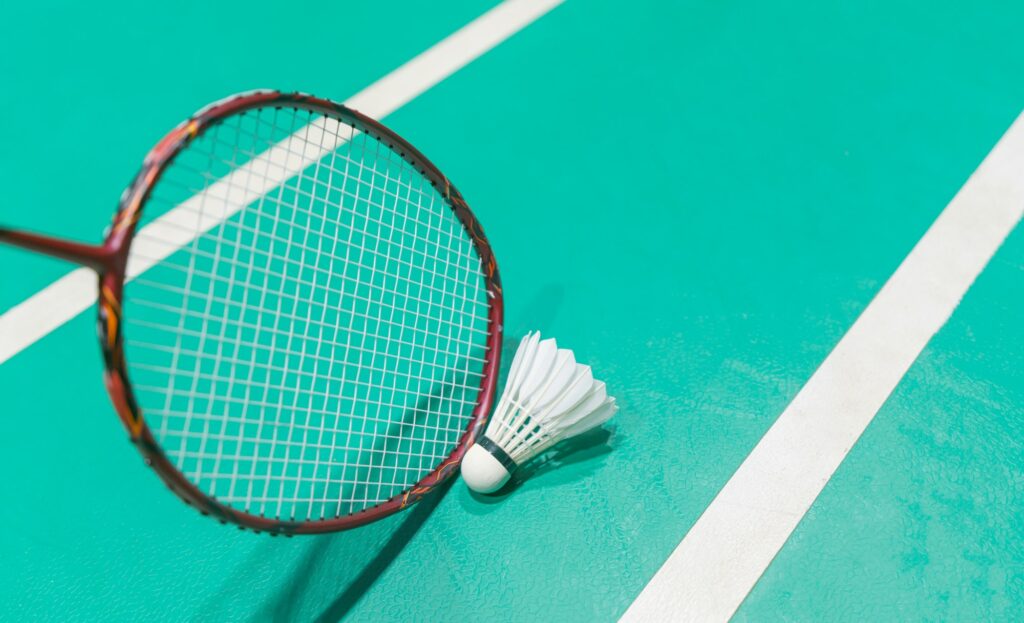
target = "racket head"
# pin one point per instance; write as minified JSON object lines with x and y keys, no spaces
{"x":136,"y":409}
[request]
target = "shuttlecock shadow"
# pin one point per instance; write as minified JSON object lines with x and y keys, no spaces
{"x":584,"y":450}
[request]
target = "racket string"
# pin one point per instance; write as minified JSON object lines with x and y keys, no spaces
{"x":299,"y":282}
{"x":466,"y":249}
{"x":239,"y":344}
{"x":340,"y":190}
{"x":293,"y":222}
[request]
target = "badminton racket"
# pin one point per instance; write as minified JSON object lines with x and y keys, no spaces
{"x":299,"y":315}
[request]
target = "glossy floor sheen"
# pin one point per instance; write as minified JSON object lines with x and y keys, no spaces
{"x":697,"y":197}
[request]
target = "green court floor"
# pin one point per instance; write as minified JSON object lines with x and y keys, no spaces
{"x":699,"y":198}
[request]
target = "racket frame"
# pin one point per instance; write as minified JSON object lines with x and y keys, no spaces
{"x":110,"y":261}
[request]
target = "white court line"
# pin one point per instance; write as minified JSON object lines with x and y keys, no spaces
{"x":31,"y":320}
{"x":718,"y":562}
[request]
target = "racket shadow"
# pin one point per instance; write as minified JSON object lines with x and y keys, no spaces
{"x":300,"y":595}
{"x":304,"y":574}
{"x":390,"y":550}
{"x":411,"y":434}
{"x":336,"y":569}
{"x":339,"y":569}
{"x":447,"y":397}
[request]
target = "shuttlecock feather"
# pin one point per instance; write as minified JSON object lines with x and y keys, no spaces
{"x":548,"y":397}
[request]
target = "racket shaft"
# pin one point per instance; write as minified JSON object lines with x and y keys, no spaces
{"x":95,"y":257}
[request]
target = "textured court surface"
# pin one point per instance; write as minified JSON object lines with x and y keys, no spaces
{"x":699,"y":199}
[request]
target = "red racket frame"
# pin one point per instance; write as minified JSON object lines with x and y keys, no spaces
{"x":110,"y":261}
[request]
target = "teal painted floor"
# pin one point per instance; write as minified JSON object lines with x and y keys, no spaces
{"x":922,"y":521}
{"x":698,"y":198}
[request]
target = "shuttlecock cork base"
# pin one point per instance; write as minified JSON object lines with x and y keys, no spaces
{"x":548,"y":397}
{"x":486,"y":467}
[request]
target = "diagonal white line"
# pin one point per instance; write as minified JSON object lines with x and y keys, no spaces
{"x":718,"y":562}
{"x":31,"y":320}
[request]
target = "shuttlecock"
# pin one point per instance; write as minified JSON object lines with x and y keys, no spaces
{"x":548,"y":397}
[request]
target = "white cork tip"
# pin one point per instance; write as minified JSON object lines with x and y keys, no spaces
{"x":482,"y":472}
